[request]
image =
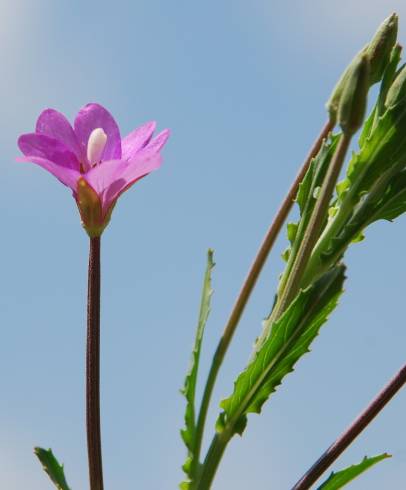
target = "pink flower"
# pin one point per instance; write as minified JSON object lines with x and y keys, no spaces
{"x":92,"y":159}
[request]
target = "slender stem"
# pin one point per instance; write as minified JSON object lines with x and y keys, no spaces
{"x":248,"y":286}
{"x":212,"y":461}
{"x":93,"y":368}
{"x":353,"y":431}
{"x":313,"y":230}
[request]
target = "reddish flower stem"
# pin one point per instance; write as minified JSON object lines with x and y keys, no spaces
{"x":353,"y":431}
{"x":93,"y":368}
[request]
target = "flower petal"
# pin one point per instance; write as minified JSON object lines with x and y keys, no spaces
{"x":110,"y":179}
{"x":101,"y":176}
{"x":158,"y":142}
{"x":68,"y":176}
{"x":42,"y":146}
{"x":53,"y":123}
{"x":93,"y":116}
{"x":136,"y":140}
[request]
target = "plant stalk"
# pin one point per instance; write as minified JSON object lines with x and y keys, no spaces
{"x":212,"y":461}
{"x":353,"y":431}
{"x":313,"y":230}
{"x":249,"y":285}
{"x":93,"y":368}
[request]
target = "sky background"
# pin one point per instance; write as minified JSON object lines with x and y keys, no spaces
{"x":242,"y":85}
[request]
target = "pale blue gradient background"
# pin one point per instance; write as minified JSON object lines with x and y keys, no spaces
{"x":242,"y":85}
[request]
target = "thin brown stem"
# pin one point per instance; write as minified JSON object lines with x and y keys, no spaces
{"x":353,"y":431}
{"x":93,"y":368}
{"x":249,"y":285}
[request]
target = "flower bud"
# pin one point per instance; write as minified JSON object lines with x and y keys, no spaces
{"x":397,"y":90}
{"x":379,"y":49}
{"x":378,"y":52}
{"x":335,"y":98}
{"x":353,"y":101}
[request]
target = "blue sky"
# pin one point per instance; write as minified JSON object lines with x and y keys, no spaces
{"x":242,"y":85}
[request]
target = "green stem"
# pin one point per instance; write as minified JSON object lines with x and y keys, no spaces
{"x":314,"y":267}
{"x":212,"y":460}
{"x":247,"y":288}
{"x":313,"y":231}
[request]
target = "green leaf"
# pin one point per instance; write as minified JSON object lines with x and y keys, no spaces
{"x":306,"y":199}
{"x":381,"y":151}
{"x":289,"y":340}
{"x":367,"y":127}
{"x":292,"y":231}
{"x":52,"y":467}
{"x":189,"y":388}
{"x":393,"y":202}
{"x":386,"y":200}
{"x":341,"y":478}
{"x":315,"y":175}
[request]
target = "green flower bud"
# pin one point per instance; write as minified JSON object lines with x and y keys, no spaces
{"x":397,"y":90}
{"x":334,"y":100}
{"x":379,"y":49}
{"x":353,"y":101}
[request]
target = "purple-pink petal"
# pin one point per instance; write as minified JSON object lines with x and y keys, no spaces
{"x":136,"y":169}
{"x":54,"y":124}
{"x":137,"y":140}
{"x":112,"y":178}
{"x":93,"y":116}
{"x":48,"y":148}
{"x":156,"y":144}
{"x":68,"y":176}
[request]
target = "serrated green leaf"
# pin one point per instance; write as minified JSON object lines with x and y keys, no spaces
{"x":189,"y":388}
{"x":306,"y":199}
{"x":386,"y":200}
{"x":315,"y":174}
{"x":341,"y":478}
{"x":393,"y":203}
{"x":289,"y":340}
{"x":367,"y":127}
{"x":383,"y":150}
{"x":52,"y":467}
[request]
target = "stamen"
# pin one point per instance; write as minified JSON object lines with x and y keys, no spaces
{"x":95,"y":146}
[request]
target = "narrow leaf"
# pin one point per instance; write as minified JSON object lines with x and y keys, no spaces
{"x":386,"y":200}
{"x":341,"y":478}
{"x":315,"y":175}
{"x":189,"y":388}
{"x":289,"y":340}
{"x":52,"y":467}
{"x":306,"y":199}
{"x":393,"y":202}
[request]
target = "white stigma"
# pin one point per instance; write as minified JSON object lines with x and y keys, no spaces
{"x":95,"y":146}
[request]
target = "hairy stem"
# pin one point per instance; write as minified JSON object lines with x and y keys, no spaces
{"x":93,"y":368}
{"x":248,"y":286}
{"x":353,"y":431}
